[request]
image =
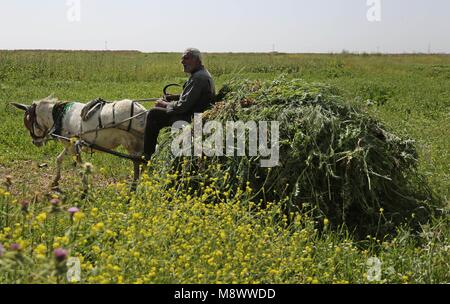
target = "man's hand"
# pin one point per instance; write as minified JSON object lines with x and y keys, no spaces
{"x":161,"y":104}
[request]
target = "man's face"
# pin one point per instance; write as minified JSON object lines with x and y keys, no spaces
{"x":189,"y":63}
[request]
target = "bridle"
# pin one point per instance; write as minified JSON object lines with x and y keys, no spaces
{"x":31,"y":124}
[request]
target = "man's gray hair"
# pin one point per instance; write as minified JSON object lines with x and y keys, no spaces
{"x":195,"y":53}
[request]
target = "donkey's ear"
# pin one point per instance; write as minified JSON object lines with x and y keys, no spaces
{"x":20,"y":106}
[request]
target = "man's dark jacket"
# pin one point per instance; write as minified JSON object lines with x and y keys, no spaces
{"x":198,"y":94}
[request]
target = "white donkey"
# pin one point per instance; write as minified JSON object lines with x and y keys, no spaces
{"x":109,"y":127}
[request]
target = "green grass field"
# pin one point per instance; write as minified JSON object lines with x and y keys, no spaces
{"x":160,"y":237}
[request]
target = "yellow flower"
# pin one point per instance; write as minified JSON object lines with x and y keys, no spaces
{"x":78,"y":216}
{"x":110,"y":233}
{"x":41,"y":217}
{"x":98,"y":227}
{"x":96,"y":249}
{"x":137,"y":216}
{"x":74,"y":280}
{"x":273,"y":271}
{"x":22,"y":244}
{"x":326,"y":222}
{"x":40,"y":249}
{"x":94,"y":211}
{"x":65,"y":240}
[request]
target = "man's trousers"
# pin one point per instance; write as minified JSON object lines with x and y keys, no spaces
{"x":158,"y":118}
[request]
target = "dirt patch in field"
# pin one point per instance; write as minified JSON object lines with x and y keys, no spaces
{"x":30,"y":178}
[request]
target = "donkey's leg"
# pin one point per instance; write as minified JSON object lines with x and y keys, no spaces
{"x":133,"y":145}
{"x":59,"y":160}
{"x":137,"y":172}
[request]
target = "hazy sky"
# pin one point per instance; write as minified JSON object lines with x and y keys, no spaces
{"x":226,"y":25}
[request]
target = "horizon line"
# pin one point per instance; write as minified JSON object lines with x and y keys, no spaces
{"x":343,"y":52}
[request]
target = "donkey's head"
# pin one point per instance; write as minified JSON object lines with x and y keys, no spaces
{"x":38,"y":119}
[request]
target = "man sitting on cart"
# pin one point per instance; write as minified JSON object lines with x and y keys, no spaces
{"x":198,"y":95}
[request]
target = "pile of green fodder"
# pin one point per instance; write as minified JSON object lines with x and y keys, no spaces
{"x":333,"y":156}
